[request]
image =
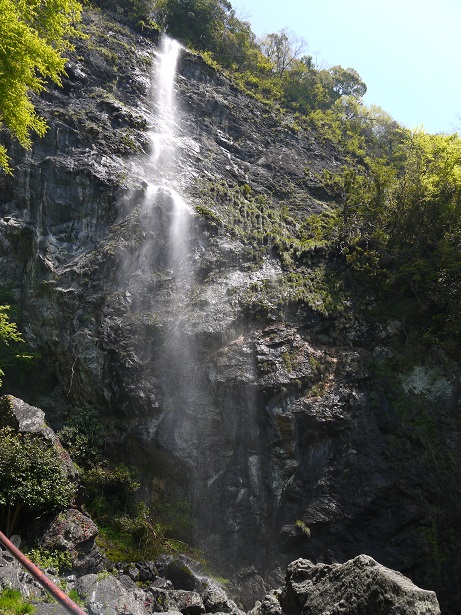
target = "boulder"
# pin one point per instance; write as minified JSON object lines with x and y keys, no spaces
{"x":106,"y":595}
{"x":215,"y":600}
{"x":360,"y":586}
{"x":178,"y":570}
{"x":14,"y":576}
{"x":75,"y":531}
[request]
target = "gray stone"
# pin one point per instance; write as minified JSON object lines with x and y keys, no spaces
{"x":106,"y":595}
{"x":187,"y":602}
{"x":216,"y":600}
{"x":14,"y":576}
{"x":361,"y":586}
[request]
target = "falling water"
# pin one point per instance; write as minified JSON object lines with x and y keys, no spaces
{"x":187,"y":416}
{"x":164,"y":164}
{"x":170,"y":211}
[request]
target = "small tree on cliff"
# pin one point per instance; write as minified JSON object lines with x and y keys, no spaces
{"x":33,"y":36}
{"x":8,"y":333}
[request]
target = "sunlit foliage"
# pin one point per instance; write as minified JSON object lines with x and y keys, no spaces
{"x":33,"y":36}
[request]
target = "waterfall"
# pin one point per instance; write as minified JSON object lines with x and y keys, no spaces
{"x":163,"y":166}
{"x":166,"y":208}
{"x":196,"y":435}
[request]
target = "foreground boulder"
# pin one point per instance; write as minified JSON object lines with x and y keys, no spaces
{"x":361,"y":586}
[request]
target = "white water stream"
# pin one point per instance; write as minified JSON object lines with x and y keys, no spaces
{"x":201,"y":428}
{"x":164,"y":163}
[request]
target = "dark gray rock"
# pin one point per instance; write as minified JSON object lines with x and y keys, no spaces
{"x":179,"y":571}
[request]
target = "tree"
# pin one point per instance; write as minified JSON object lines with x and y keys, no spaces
{"x":198,"y":23}
{"x":347,"y":82}
{"x":283,"y":49}
{"x":32,"y":477}
{"x":33,"y":36}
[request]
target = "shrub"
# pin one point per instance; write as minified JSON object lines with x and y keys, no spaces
{"x":32,"y":477}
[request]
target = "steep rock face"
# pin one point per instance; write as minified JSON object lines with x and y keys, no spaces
{"x":276,"y":434}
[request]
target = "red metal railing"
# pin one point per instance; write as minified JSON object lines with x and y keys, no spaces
{"x":41,"y":577}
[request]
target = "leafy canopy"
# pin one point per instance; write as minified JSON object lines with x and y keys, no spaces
{"x":33,"y":36}
{"x":398,"y":221}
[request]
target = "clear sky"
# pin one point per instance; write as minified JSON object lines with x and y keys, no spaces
{"x":408,"y":52}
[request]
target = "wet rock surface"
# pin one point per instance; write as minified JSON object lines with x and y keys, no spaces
{"x":288,"y":447}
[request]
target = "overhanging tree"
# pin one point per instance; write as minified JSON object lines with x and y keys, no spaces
{"x":33,"y":36}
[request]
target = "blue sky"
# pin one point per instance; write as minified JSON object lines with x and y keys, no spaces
{"x":408,"y":52}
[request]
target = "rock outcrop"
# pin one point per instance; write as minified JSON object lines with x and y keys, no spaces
{"x":74,"y":532}
{"x":117,"y":593}
{"x":71,"y":530}
{"x":359,"y":587}
{"x":285,"y":445}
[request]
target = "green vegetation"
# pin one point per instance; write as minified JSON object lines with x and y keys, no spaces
{"x":82,"y":437}
{"x":129,"y":529}
{"x":301,"y":243}
{"x":8,"y":334}
{"x":14,"y":355}
{"x":303,"y":527}
{"x":76,"y":597}
{"x":398,"y":224}
{"x":33,"y":34}
{"x":32,"y":478}
{"x":12,"y":603}
{"x":61,"y":561}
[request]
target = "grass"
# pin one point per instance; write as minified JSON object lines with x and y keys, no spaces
{"x":12,"y":603}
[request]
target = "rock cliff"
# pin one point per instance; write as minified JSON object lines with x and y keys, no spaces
{"x":277,"y":431}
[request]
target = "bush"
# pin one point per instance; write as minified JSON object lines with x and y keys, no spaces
{"x":32,"y":477}
{"x":82,"y":437}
